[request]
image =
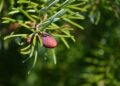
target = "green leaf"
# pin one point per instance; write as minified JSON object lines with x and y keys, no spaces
{"x":77,"y":8}
{"x":33,"y":46}
{"x":55,"y":25}
{"x":52,"y":19}
{"x":26,"y":14}
{"x":25,"y":52}
{"x":53,"y":3}
{"x":35,"y":58}
{"x":54,"y":56}
{"x":26,"y":26}
{"x":13,"y":12}
{"x":36,"y":17}
{"x":78,"y":4}
{"x":65,"y":42}
{"x":7,"y":19}
{"x":72,"y":17}
{"x":57,"y":35}
{"x":68,"y":33}
{"x":32,"y":50}
{"x":73,"y":23}
{"x":34,"y":61}
{"x":40,"y":39}
{"x":49,"y":4}
{"x":77,"y":16}
{"x":1,"y":5}
{"x":65,"y":3}
{"x":73,"y":39}
{"x":25,"y":48}
{"x":17,"y":35}
{"x":98,"y":17}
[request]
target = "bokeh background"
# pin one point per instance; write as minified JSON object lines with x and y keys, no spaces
{"x":93,"y":60}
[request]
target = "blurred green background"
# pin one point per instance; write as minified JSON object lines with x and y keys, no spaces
{"x":93,"y":60}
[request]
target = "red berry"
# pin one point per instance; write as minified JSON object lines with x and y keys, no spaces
{"x":49,"y":41}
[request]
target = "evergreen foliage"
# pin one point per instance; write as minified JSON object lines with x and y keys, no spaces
{"x":87,"y":34}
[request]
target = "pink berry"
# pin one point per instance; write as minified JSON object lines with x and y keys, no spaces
{"x":49,"y":41}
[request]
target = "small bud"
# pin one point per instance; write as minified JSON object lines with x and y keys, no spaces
{"x":49,"y":41}
{"x":30,"y":38}
{"x":14,"y":26}
{"x":31,"y":24}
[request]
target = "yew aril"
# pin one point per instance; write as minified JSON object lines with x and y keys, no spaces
{"x":49,"y":41}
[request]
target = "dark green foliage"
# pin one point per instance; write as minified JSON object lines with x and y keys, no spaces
{"x":92,"y":60}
